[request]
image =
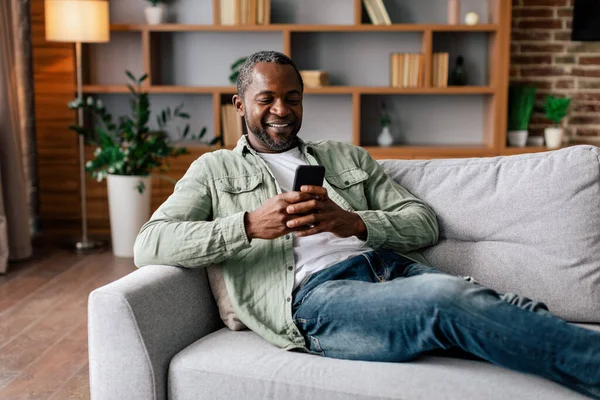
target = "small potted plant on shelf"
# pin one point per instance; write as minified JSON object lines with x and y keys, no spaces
{"x":127,"y":153}
{"x":521,"y":100}
{"x":385,"y":138}
{"x":155,"y":12}
{"x":556,"y":109}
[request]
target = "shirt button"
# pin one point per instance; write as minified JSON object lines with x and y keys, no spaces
{"x":346,"y":183}
{"x":290,"y":268}
{"x":287,"y":237}
{"x":289,"y":299}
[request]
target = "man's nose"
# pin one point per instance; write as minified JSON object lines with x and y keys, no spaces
{"x":279,"y":108}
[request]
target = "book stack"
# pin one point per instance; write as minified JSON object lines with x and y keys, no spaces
{"x":232,"y":125}
{"x":245,"y":12}
{"x":315,"y":78}
{"x":377,"y":12}
{"x":406,"y":70}
{"x":439,"y":70}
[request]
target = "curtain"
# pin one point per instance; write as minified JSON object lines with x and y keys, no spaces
{"x":18,"y":161}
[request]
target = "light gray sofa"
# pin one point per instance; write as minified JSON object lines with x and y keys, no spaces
{"x":528,"y":224}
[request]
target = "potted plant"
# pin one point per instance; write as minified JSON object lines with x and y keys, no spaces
{"x":556,"y":109}
{"x":521,"y":100}
{"x":235,"y":69}
{"x":385,"y":138}
{"x":155,"y":12}
{"x":127,"y":153}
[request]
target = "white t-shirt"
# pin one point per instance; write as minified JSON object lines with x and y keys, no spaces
{"x":316,"y":252}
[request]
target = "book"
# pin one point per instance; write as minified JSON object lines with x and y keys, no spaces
{"x":267,"y":12}
{"x":252,"y":12}
{"x":227,"y":12}
{"x":232,"y":125}
{"x":369,"y":6}
{"x":393,"y":69}
{"x":315,"y":78}
{"x":382,"y":11}
{"x":260,"y":12}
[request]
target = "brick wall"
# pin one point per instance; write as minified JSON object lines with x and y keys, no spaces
{"x":543,"y":55}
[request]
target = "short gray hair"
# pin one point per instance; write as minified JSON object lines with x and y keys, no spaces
{"x":245,"y":77}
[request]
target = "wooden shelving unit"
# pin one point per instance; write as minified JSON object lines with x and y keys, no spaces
{"x":494,"y":93}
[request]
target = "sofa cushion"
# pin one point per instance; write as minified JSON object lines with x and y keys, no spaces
{"x":528,"y":224}
{"x":241,"y":365}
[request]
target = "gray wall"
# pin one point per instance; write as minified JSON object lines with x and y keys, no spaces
{"x":425,"y":119}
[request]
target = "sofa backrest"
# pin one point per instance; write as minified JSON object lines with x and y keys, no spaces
{"x":527,"y":224}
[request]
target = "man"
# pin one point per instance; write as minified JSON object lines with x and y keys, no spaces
{"x":334,"y":269}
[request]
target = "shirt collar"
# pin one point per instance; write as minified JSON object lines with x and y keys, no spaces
{"x":243,"y":147}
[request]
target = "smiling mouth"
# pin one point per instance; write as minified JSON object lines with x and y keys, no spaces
{"x":279,"y":125}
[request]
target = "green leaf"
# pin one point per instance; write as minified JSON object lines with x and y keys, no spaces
{"x":143,"y":78}
{"x":131,"y":89}
{"x":130,"y":75}
{"x":186,"y":131}
{"x":238,"y":62}
{"x":184,"y":115}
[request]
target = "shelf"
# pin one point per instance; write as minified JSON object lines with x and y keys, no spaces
{"x":366,"y":90}
{"x":305,"y":28}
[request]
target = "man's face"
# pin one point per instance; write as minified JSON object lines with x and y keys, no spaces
{"x":272,"y":107}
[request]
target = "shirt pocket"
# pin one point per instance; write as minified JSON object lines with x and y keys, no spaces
{"x":350,"y":185}
{"x":239,"y":193}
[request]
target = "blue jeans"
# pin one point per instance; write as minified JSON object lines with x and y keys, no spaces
{"x":381,"y":306}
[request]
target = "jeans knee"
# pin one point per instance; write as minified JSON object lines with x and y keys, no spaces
{"x":443,"y":290}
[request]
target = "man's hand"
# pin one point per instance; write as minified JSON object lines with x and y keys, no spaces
{"x":321,"y":214}
{"x":269,"y":220}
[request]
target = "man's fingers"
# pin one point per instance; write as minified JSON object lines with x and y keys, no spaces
{"x":310,"y":206}
{"x":296,"y":197}
{"x":316,"y":190}
{"x":311,"y":219}
{"x":313,"y":230}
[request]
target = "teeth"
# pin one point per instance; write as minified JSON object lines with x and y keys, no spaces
{"x":278,"y":125}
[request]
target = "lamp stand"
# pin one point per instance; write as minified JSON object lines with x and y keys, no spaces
{"x":84,"y":244}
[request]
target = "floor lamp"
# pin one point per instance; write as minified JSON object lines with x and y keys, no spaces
{"x":79,"y":21}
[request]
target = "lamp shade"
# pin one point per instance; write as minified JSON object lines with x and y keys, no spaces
{"x":84,"y":21}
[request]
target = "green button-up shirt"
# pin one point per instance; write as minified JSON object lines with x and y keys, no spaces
{"x":202,"y":223}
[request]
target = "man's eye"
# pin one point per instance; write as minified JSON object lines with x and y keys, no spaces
{"x":293,"y":101}
{"x":264,"y":101}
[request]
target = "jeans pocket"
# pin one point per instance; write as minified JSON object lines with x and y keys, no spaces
{"x":314,"y":345}
{"x":377,"y":266}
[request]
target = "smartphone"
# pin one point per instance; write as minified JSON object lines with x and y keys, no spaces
{"x":308,"y":175}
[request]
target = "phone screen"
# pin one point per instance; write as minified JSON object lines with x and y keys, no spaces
{"x":309,"y":175}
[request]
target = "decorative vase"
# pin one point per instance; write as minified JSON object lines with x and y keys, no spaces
{"x":554,"y":137}
{"x":517,"y":138}
{"x":458,"y":77}
{"x":129,"y":210}
{"x":385,"y":138}
{"x":154,"y":14}
{"x":453,"y":12}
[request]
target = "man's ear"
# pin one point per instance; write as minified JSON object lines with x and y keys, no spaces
{"x":238,"y":104}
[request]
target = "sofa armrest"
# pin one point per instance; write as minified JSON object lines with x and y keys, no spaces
{"x":139,"y":322}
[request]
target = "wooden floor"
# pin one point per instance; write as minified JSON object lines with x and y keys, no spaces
{"x":43,"y":322}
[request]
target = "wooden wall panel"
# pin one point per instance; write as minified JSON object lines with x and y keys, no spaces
{"x":58,"y":159}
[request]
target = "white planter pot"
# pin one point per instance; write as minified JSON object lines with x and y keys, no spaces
{"x":154,"y":15}
{"x":129,"y":210}
{"x":517,"y":138}
{"x":385,"y":138}
{"x":554,"y":137}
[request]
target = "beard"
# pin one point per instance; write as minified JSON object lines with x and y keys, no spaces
{"x":280,"y":144}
